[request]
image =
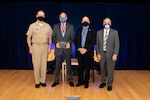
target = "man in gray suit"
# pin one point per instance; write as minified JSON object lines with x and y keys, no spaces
{"x":63,"y":36}
{"x":107,"y":48}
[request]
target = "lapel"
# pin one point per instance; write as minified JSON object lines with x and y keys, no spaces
{"x":108,"y":38}
{"x":59,"y":28}
{"x":66,"y":28}
{"x":88,"y":33}
{"x":79,"y":36}
{"x":102,"y":35}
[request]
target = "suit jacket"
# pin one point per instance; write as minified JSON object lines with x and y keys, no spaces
{"x":68,"y":37}
{"x":89,"y":43}
{"x":112,"y":45}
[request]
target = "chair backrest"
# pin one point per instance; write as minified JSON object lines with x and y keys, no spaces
{"x":51,"y":55}
{"x":95,"y":57}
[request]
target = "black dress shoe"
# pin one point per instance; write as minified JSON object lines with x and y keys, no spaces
{"x":102,"y":85}
{"x":86,"y":85}
{"x":43,"y":84}
{"x":109,"y":88}
{"x":71,"y":84}
{"x":37,"y":85}
{"x":80,"y":83}
{"x":54,"y":84}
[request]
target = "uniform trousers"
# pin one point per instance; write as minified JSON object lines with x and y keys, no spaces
{"x":39,"y":60}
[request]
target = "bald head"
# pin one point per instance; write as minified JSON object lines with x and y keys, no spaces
{"x":107,"y":21}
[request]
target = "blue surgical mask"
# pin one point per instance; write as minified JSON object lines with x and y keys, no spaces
{"x":63,"y":19}
{"x":107,"y":26}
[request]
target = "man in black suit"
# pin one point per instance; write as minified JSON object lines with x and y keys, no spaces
{"x":63,"y":36}
{"x":107,"y":48}
{"x":84,"y":41}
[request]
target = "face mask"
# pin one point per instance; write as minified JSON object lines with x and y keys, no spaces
{"x":63,"y":19}
{"x":41,"y":18}
{"x":85,"y":24}
{"x":107,"y":26}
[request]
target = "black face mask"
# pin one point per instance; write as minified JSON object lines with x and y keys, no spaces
{"x":85,"y":24}
{"x":41,"y":18}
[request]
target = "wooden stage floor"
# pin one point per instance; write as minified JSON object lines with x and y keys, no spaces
{"x":128,"y":85}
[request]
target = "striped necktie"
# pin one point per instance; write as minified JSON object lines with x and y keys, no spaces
{"x":105,"y":40}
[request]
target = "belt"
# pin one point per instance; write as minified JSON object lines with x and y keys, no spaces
{"x":40,"y":44}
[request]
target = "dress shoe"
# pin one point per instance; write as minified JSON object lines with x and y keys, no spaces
{"x":43,"y":84}
{"x":86,"y":85}
{"x":71,"y":84}
{"x":54,"y":84}
{"x":80,"y":83}
{"x":109,"y":88}
{"x":37,"y":85}
{"x":102,"y":85}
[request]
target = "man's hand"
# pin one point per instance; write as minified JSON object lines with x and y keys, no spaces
{"x":57,"y":45}
{"x":82,"y":50}
{"x":68,"y":45}
{"x":114,"y":57}
{"x":31,"y":51}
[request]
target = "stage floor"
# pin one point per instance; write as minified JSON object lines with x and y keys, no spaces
{"x":128,"y":85}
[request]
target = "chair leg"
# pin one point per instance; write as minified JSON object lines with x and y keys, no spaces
{"x":93,"y":75}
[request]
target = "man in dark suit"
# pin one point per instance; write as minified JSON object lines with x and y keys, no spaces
{"x":85,"y":39}
{"x":107,"y":48}
{"x":63,"y":36}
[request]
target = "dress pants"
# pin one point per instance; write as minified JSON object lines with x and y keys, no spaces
{"x":85,"y":63}
{"x":58,"y":68}
{"x":107,"y":69}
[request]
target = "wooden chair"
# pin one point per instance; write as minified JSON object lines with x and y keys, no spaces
{"x":94,"y":66}
{"x":74,"y":62}
{"x":51,"y":55}
{"x":51,"y":62}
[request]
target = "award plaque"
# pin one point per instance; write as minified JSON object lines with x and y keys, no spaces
{"x":62,"y":44}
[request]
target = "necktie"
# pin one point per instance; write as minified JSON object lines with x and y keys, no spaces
{"x":63,"y":28}
{"x":83,"y":38}
{"x":105,"y":40}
